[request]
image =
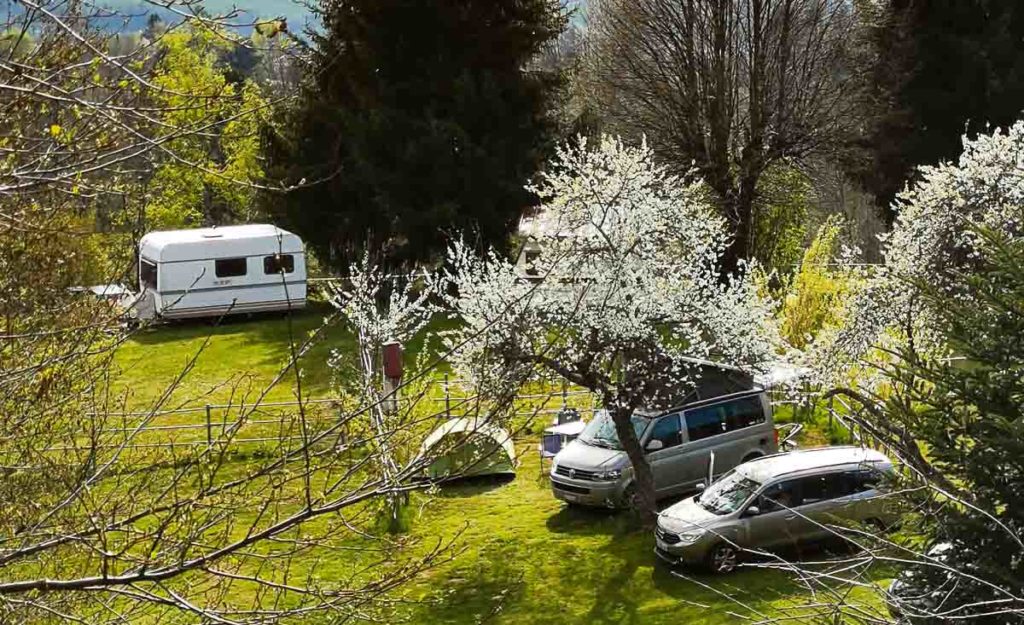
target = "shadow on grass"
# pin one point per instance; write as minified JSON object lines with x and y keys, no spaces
{"x":478,"y":591}
{"x":475,"y":485}
{"x":616,"y":602}
{"x":586,"y":520}
{"x":267,"y":325}
{"x":590,"y":520}
{"x":759,"y":580}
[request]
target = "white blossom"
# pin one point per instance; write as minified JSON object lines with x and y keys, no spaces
{"x":930,"y":241}
{"x":627,"y":271}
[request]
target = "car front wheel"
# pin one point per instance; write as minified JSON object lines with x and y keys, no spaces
{"x":723,"y":558}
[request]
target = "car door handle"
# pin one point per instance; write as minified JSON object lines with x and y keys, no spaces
{"x":790,"y":517}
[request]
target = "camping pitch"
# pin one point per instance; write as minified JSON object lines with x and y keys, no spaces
{"x":468,"y":447}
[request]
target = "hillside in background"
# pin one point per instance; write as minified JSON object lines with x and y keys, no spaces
{"x":132,"y":14}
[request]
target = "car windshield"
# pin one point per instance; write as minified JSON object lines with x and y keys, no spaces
{"x":600,"y":432}
{"x":727,"y":494}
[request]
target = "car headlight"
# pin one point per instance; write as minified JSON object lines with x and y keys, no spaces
{"x":688,"y":538}
{"x":609,"y":475}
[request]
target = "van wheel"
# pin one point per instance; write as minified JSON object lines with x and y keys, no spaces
{"x":723,"y":558}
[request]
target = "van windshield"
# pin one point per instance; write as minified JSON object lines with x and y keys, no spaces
{"x":727,"y":494}
{"x":600,"y":432}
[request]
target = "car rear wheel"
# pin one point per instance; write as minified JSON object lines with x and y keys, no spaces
{"x":723,"y":558}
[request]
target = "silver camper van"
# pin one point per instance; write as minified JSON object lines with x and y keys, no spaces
{"x":679,"y":443}
{"x":207,"y":272}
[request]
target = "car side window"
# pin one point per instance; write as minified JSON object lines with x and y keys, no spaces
{"x":863,"y":480}
{"x":666,"y":430}
{"x":814,"y":488}
{"x":743,"y":413}
{"x":705,"y":422}
{"x":781,"y":496}
{"x":840,"y":485}
{"x":826,"y":486}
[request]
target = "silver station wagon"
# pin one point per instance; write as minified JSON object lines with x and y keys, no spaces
{"x":775,"y":502}
{"x":679,"y":443}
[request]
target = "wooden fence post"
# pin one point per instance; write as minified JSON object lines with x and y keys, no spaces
{"x":209,"y":427}
{"x":447,"y":399}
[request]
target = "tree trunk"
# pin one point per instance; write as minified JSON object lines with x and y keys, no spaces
{"x":643,"y":480}
{"x":738,"y":208}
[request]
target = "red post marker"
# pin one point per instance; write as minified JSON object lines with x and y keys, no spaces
{"x":393,"y":360}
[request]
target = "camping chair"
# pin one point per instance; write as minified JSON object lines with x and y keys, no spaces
{"x":550,"y":444}
{"x":558,"y":436}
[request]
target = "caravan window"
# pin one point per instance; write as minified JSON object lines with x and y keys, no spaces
{"x":278,"y":263}
{"x":230,"y":267}
{"x":147,"y":274}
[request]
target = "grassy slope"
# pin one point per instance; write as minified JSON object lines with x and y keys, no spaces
{"x":526,"y":558}
{"x":241,"y":355}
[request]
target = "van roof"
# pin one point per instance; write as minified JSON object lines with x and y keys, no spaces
{"x":808,"y":460}
{"x":223,"y":241}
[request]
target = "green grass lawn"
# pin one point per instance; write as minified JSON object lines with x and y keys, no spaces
{"x":525,"y":557}
{"x":238,"y":356}
{"x":530,"y":559}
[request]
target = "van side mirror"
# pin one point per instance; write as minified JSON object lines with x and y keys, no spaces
{"x":654,"y":445}
{"x":752,"y":511}
{"x":701,"y":486}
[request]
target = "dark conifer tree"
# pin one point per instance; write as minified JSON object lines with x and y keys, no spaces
{"x":941,"y":68}
{"x":423,"y":119}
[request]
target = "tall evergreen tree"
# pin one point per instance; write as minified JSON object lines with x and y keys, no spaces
{"x":419,"y":119}
{"x":967,"y":413}
{"x":942,"y":68}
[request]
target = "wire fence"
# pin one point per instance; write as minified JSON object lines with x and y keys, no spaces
{"x":283,"y":422}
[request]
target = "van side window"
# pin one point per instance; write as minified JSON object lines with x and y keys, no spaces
{"x":667,"y":431}
{"x":743,"y":413}
{"x":229,"y":267}
{"x":705,"y":422}
{"x":278,"y":263}
{"x":147,"y":274}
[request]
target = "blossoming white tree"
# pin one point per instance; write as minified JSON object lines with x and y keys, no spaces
{"x":951,"y":286}
{"x":931,"y":241}
{"x":626,"y":295}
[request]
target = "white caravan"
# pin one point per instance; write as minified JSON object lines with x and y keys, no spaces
{"x":209,"y":272}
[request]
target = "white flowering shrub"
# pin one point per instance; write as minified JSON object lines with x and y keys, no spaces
{"x":627,"y":288}
{"x":930,"y":244}
{"x":381,"y":308}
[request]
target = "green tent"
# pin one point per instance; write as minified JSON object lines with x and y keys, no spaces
{"x":467,"y":447}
